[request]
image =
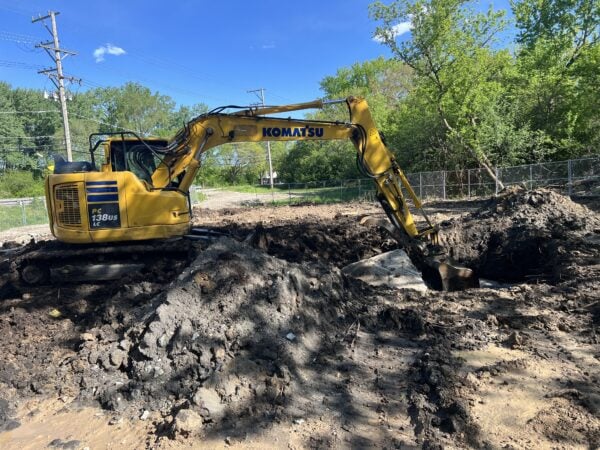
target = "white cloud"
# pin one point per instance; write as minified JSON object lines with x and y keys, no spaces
{"x":397,"y":30}
{"x":268,"y":46}
{"x":107,"y":49}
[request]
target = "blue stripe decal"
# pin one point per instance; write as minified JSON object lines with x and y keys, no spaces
{"x":99,"y":183}
{"x":102,"y":189}
{"x":103,"y":198}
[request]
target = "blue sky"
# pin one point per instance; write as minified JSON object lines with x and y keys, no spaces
{"x":194,"y":51}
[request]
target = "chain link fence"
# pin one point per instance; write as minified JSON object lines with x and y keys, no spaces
{"x":573,"y":177}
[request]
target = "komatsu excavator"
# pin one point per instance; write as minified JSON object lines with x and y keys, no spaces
{"x":137,"y":189}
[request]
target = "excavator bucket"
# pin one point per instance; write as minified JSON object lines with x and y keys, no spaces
{"x":447,"y":275}
{"x":439,"y":271}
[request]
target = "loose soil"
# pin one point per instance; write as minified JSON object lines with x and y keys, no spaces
{"x":260,"y":340}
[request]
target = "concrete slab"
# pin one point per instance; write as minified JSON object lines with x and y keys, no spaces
{"x":393,"y":269}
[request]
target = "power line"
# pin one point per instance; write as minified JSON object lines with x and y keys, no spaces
{"x":19,"y":65}
{"x":20,"y":11}
{"x":100,"y":122}
{"x":17,"y":37}
{"x":31,"y":112}
{"x":29,"y":137}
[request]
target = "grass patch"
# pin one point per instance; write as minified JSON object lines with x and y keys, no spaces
{"x":17,"y":216}
{"x":254,"y":189}
{"x":197,"y":197}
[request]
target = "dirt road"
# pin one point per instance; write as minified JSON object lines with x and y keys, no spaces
{"x":219,"y":199}
{"x":260,"y":340}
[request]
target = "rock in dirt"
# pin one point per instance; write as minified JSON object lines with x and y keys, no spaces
{"x":187,"y":422}
{"x":87,"y":337}
{"x":393,"y":269}
{"x":515,"y":340}
{"x":290,"y":337}
{"x":210,"y":403}
{"x":63,"y":444}
{"x":6,"y":412}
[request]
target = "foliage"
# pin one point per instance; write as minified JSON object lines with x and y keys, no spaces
{"x":455,"y":68}
{"x":134,"y":107}
{"x":16,"y":184}
{"x":383,"y":82}
{"x":26,"y":214}
{"x":312,"y":161}
{"x":474,"y":101}
{"x":558,"y":75}
{"x":450,"y":97}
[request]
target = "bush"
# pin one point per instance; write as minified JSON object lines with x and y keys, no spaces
{"x":15,"y":184}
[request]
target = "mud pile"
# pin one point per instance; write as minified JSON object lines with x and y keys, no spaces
{"x":222,"y":342}
{"x":526,"y":236}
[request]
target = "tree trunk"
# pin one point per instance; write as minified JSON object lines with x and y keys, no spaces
{"x":481,"y":158}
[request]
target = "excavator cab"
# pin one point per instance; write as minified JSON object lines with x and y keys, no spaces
{"x":120,"y":201}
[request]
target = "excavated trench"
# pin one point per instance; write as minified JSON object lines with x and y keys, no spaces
{"x":518,"y":236}
{"x":525,"y":236}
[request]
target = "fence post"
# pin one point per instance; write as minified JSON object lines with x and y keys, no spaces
{"x":24,"y":217}
{"x":469,"y":183}
{"x":570,"y":175}
{"x":496,"y":180}
{"x":341,"y":190}
{"x":444,"y":184}
{"x":530,"y":176}
{"x":289,"y":194}
{"x":359,"y":197}
{"x":421,"y":185}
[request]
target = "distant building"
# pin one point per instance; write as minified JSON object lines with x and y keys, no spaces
{"x":265,"y":179}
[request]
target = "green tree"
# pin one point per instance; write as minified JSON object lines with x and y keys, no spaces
{"x":134,"y":107}
{"x":455,"y":67}
{"x":11,"y":127}
{"x":558,"y":61}
{"x":315,"y":161}
{"x":383,"y":82}
{"x":180,"y":117}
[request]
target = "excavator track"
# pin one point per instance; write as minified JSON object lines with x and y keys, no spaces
{"x":54,"y":262}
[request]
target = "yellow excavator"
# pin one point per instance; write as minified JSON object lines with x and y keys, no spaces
{"x":140,"y":190}
{"x":137,"y":189}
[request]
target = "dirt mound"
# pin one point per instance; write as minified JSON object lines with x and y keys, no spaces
{"x":526,"y":235}
{"x":338,"y":241}
{"x":272,"y":347}
{"x":223,"y":341}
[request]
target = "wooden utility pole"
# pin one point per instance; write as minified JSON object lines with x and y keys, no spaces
{"x":262,"y":101}
{"x":56,"y":73}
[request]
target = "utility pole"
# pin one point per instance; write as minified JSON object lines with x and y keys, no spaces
{"x":262,"y":101}
{"x":56,"y":74}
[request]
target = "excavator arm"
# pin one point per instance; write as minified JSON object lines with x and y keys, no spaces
{"x":255,"y":125}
